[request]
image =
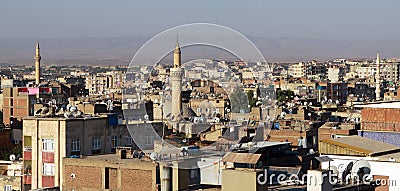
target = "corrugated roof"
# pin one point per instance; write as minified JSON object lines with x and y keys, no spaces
{"x":247,"y":158}
{"x":364,"y":145}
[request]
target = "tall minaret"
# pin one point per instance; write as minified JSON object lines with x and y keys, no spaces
{"x":37,"y":64}
{"x":176,"y":74}
{"x":378,"y":78}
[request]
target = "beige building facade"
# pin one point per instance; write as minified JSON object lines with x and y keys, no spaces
{"x":47,"y":140}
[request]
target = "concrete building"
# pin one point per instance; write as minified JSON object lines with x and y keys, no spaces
{"x":47,"y":140}
{"x":19,"y":103}
{"x":11,"y":175}
{"x":105,"y":83}
{"x":335,"y":74}
{"x":297,"y":70}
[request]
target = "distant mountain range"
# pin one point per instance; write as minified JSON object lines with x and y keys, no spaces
{"x":119,"y":50}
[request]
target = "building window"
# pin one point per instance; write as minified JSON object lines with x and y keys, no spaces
{"x":128,"y":140}
{"x":47,"y":144}
{"x":75,"y":145}
{"x":96,"y":143}
{"x":193,"y":174}
{"x":114,"y":141}
{"x":8,"y":188}
{"x":48,"y":169}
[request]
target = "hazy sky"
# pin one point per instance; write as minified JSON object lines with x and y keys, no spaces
{"x":339,"y":19}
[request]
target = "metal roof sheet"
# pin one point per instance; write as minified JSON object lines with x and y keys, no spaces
{"x":247,"y":158}
{"x":362,"y":144}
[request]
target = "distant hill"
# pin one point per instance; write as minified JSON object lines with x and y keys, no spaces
{"x":119,"y":50}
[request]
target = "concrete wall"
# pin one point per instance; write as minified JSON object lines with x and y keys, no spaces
{"x":14,"y":181}
{"x":241,"y":180}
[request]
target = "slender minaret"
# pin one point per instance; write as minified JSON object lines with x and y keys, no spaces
{"x":378,"y":78}
{"x":37,"y":64}
{"x":176,"y":74}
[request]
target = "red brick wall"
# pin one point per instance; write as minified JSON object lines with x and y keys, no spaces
{"x":6,"y":116}
{"x":136,"y":180}
{"x":6,"y":101}
{"x":286,"y":134}
{"x":382,"y":187}
{"x":380,"y":119}
{"x":380,"y":115}
{"x":86,"y":177}
{"x":22,"y":102}
{"x":48,"y":157}
{"x":21,"y":112}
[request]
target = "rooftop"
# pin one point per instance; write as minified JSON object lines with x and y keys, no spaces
{"x":62,"y":118}
{"x":385,"y":105}
{"x":364,"y":145}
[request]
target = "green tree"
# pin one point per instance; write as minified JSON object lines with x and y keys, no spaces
{"x":250,"y":97}
{"x":285,"y":95}
{"x":238,"y":100}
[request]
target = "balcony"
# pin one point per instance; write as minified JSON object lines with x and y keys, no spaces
{"x":27,"y":155}
{"x":27,"y":179}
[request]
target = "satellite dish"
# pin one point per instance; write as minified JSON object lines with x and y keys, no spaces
{"x":335,"y":170}
{"x":154,"y":156}
{"x":361,"y":169}
{"x":146,"y":117}
{"x":283,"y":114}
{"x":12,"y":157}
{"x":73,"y":109}
{"x":347,"y":172}
{"x":72,"y":176}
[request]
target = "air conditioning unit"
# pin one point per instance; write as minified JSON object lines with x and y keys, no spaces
{"x":16,"y":142}
{"x":333,"y":136}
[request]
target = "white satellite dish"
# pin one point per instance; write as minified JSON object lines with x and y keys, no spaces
{"x":283,"y":114}
{"x":12,"y":157}
{"x":154,"y":156}
{"x":146,"y":117}
{"x":335,"y":170}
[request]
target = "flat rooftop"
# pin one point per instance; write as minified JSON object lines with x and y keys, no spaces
{"x":384,"y":105}
{"x":62,"y":118}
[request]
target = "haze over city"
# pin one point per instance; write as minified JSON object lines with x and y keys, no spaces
{"x":283,"y":30}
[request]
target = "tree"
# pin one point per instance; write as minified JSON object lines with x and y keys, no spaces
{"x":250,"y":97}
{"x":239,"y":100}
{"x":285,"y":95}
